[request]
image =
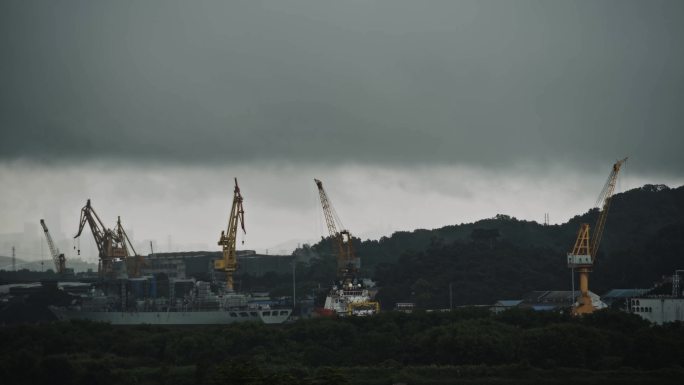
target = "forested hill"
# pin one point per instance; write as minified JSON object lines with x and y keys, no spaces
{"x":503,"y":257}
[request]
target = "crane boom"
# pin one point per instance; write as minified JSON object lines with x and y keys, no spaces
{"x":237,"y":217}
{"x":347,"y":262}
{"x":605,"y":197}
{"x":585,"y":251}
{"x":57,"y":257}
{"x":328,"y":211}
{"x":97,"y":228}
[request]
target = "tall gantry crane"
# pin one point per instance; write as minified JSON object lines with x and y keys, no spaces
{"x":228,"y":264}
{"x":57,"y":257}
{"x":111,"y":245}
{"x":134,"y":262}
{"x":347,"y":261}
{"x":584,"y":252}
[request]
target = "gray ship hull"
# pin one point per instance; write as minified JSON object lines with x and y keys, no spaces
{"x":216,"y":317}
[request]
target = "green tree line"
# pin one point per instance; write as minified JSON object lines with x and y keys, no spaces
{"x":326,"y":350}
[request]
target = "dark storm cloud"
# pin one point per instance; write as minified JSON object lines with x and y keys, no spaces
{"x":478,"y":82}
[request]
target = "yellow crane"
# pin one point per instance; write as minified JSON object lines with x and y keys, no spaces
{"x":347,"y":262}
{"x":57,"y":257}
{"x":134,"y":262}
{"x":584,"y":252}
{"x":237,"y":217}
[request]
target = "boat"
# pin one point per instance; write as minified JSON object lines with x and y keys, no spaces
{"x":196,"y":306}
{"x":198,"y":317}
{"x":349,"y":298}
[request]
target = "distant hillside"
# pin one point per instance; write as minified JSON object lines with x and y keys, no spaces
{"x":77,"y":264}
{"x":502,"y":257}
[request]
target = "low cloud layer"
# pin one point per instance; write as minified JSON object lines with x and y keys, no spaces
{"x":415,"y":115}
{"x":390,"y":83}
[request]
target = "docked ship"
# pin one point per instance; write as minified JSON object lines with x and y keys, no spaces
{"x":175,"y":316}
{"x":197,"y":306}
{"x":352,"y":298}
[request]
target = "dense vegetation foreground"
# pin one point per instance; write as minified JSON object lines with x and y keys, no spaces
{"x":464,"y":346}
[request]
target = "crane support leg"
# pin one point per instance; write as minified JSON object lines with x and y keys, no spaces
{"x":584,"y":302}
{"x":229,"y":282}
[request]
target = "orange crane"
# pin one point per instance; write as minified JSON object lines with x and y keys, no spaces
{"x":134,"y":262}
{"x":237,"y":216}
{"x":57,"y":257}
{"x":349,"y":297}
{"x":347,"y":262}
{"x":111,"y":245}
{"x":584,"y":252}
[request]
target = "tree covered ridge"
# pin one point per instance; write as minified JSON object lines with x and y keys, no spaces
{"x":504,"y":257}
{"x":314,"y":351}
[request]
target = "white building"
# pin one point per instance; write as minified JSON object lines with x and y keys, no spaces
{"x":658,"y":310}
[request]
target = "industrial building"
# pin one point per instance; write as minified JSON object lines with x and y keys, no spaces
{"x":504,"y":304}
{"x":658,"y":310}
{"x":188,"y":264}
{"x":180,"y":264}
{"x":619,"y":298}
{"x":547,"y":300}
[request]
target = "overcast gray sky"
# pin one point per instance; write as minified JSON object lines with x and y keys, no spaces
{"x":414,"y":113}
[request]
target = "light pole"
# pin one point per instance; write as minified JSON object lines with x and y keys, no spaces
{"x":451,"y":297}
{"x":572,"y":301}
{"x":294,"y":286}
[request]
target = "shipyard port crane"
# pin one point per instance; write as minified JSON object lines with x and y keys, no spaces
{"x":584,"y":252}
{"x":347,"y":262}
{"x":228,"y":264}
{"x":349,"y":297}
{"x":134,"y":262}
{"x":111,"y":244}
{"x":57,"y":257}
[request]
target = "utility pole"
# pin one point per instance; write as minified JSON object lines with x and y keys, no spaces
{"x":572,"y":272}
{"x":14,"y":260}
{"x":294,"y":286}
{"x":451,"y":297}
